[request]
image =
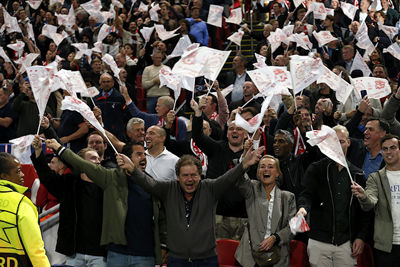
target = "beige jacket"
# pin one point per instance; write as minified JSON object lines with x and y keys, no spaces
{"x":378,"y":197}
{"x":257,"y":209}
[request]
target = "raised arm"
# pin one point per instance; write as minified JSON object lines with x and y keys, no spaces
{"x":97,"y":173}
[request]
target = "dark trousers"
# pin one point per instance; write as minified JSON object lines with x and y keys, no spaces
{"x":384,"y":259}
{"x":207,"y":262}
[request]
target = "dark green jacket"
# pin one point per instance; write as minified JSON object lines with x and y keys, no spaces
{"x":115,"y":204}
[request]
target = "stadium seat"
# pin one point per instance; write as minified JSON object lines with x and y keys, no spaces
{"x":226,"y":249}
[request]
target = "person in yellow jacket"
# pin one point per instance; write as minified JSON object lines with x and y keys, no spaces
{"x":21,"y":242}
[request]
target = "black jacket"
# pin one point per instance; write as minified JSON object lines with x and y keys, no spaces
{"x":64,"y":188}
{"x":317,"y":197}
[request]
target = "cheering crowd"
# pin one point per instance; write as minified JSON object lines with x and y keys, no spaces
{"x":153,"y":152}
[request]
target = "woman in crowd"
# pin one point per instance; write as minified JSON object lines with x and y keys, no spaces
{"x":269,"y":210}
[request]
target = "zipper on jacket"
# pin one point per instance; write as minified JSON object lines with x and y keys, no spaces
{"x":333,"y":204}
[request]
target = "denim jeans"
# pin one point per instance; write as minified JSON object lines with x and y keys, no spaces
{"x":207,"y":262}
{"x":115,"y":259}
{"x":84,"y":260}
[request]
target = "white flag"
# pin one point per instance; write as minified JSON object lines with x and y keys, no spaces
{"x":235,"y":17}
{"x":282,"y":75}
{"x":143,"y":7}
{"x":117,"y":3}
{"x":349,"y":10}
{"x":260,"y":61}
{"x":304,"y":71}
{"x":30,"y":32}
{"x":297,"y":2}
{"x":11,"y":23}
{"x":236,"y":37}
{"x":275,"y":39}
{"x":215,"y":15}
{"x":301,"y":40}
{"x":164,"y":34}
{"x":26,"y":61}
{"x":4,"y":55}
{"x":359,"y":64}
{"x":330,"y":11}
{"x":170,"y":79}
{"x":363,"y":39}
{"x":40,"y":82}
{"x":318,"y":9}
{"x":73,"y":81}
{"x":153,"y":12}
{"x":342,"y":88}
{"x":391,"y":32}
{"x":262,"y":78}
{"x":75,"y":104}
{"x":288,"y":30}
{"x":324,"y":37}
{"x":34,"y":3}
{"x":376,"y":87}
{"x":58,"y":38}
{"x":183,"y":43}
{"x":254,"y":123}
{"x":109,"y":60}
{"x":103,"y":32}
{"x":48,"y":30}
{"x":90,"y":92}
{"x":146,"y":32}
{"x":18,"y":46}
{"x":201,"y":61}
{"x":92,"y":5}
{"x":21,"y":148}
{"x":225,"y":91}
{"x":327,"y":141}
{"x":394,"y":50}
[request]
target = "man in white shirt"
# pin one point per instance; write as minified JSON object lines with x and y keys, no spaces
{"x":160,"y":162}
{"x":382,"y":194}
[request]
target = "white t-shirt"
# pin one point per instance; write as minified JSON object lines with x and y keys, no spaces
{"x":394,"y":182}
{"x":162,"y":167}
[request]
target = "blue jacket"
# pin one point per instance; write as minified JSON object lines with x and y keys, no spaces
{"x":199,"y":30}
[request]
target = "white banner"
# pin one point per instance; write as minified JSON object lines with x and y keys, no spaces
{"x":260,"y":61}
{"x":109,"y":60}
{"x":94,"y":5}
{"x":341,"y":87}
{"x":301,"y":40}
{"x":75,"y":104}
{"x":275,"y":39}
{"x":215,"y":15}
{"x":236,"y":37}
{"x":4,"y":55}
{"x":201,"y":61}
{"x":146,"y":32}
{"x":327,"y":141}
{"x":67,"y":20}
{"x":349,"y":10}
{"x":183,"y":43}
{"x":363,"y":40}
{"x":21,"y":148}
{"x":153,"y":12}
{"x":254,"y":123}
{"x":394,"y":50}
{"x":26,"y":61}
{"x":41,"y":86}
{"x":324,"y":37}
{"x":34,"y":3}
{"x":376,"y":87}
{"x":48,"y":30}
{"x":318,"y":9}
{"x":359,"y":64}
{"x":103,"y":32}
{"x":235,"y":17}
{"x":163,"y":34}
{"x":391,"y":32}
{"x":304,"y":71}
{"x":143,"y":7}
{"x":170,"y":79}
{"x":90,"y":92}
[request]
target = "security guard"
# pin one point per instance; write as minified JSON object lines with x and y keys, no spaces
{"x":21,"y":242}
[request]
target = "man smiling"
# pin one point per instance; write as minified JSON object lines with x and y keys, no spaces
{"x":190,"y":205}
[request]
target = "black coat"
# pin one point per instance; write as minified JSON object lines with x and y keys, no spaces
{"x":317,"y":198}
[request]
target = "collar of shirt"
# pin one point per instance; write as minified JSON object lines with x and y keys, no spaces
{"x":109,"y":92}
{"x":165,"y":152}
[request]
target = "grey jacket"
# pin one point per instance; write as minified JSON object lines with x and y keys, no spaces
{"x":284,"y":208}
{"x":378,"y":197}
{"x":389,"y":114}
{"x":195,"y":240}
